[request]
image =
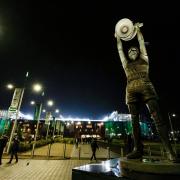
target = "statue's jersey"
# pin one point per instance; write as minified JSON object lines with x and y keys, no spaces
{"x":136,"y":69}
{"x":139,"y":87}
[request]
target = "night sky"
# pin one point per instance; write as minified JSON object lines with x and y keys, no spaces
{"x":70,"y":48}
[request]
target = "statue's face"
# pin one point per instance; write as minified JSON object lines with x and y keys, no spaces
{"x":133,"y":53}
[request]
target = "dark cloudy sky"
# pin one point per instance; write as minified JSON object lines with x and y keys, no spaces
{"x":70,"y":48}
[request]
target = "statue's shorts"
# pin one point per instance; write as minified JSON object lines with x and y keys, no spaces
{"x":140,"y":90}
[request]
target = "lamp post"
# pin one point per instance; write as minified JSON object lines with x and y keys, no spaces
{"x":36,"y":88}
{"x":50,"y":103}
{"x":54,"y":123}
{"x":172,"y":130}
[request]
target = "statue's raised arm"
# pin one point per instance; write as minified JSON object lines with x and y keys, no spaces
{"x":140,"y":38}
{"x":120,"y":51}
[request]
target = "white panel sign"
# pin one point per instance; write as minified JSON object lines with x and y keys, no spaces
{"x":47,"y":118}
{"x":15,"y":100}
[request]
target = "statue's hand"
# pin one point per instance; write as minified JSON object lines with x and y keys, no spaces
{"x":138,"y":25}
{"x":115,"y":35}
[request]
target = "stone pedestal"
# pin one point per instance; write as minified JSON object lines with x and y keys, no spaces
{"x":123,"y":169}
{"x":107,"y":170}
{"x":149,"y":169}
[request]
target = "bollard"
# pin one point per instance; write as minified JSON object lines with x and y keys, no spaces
{"x":79,"y":152}
{"x":108,"y":151}
{"x":175,"y":149}
{"x":162,"y":152}
{"x":149,"y":152}
{"x":49,"y":150}
{"x":64,"y":150}
{"x":122,"y":153}
{"x":32,"y":152}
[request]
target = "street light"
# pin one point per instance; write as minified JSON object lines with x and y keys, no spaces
{"x":37,"y":87}
{"x":32,"y":102}
{"x":50,"y":103}
{"x":10,"y":86}
{"x":57,"y":111}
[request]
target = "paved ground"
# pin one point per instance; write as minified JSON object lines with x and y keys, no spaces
{"x":27,"y":169}
{"x":58,"y":151}
{"x":36,"y":169}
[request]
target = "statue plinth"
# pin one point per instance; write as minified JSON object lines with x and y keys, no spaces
{"x":123,"y":169}
{"x":149,"y":170}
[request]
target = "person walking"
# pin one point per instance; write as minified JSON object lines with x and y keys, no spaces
{"x":94,"y":146}
{"x":14,"y":149}
{"x":3,"y":142}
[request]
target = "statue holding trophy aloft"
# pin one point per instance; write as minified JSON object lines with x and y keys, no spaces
{"x":139,"y":88}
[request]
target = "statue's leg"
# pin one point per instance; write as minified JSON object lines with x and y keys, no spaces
{"x":138,"y":147}
{"x":161,"y":126}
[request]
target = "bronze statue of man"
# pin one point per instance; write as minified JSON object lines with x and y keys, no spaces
{"x":139,"y":90}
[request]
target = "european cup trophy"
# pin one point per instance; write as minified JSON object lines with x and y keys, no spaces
{"x":125,"y":29}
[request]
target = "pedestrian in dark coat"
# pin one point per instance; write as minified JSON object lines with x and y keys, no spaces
{"x":14,"y":149}
{"x":3,"y":142}
{"x":94,"y":146}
